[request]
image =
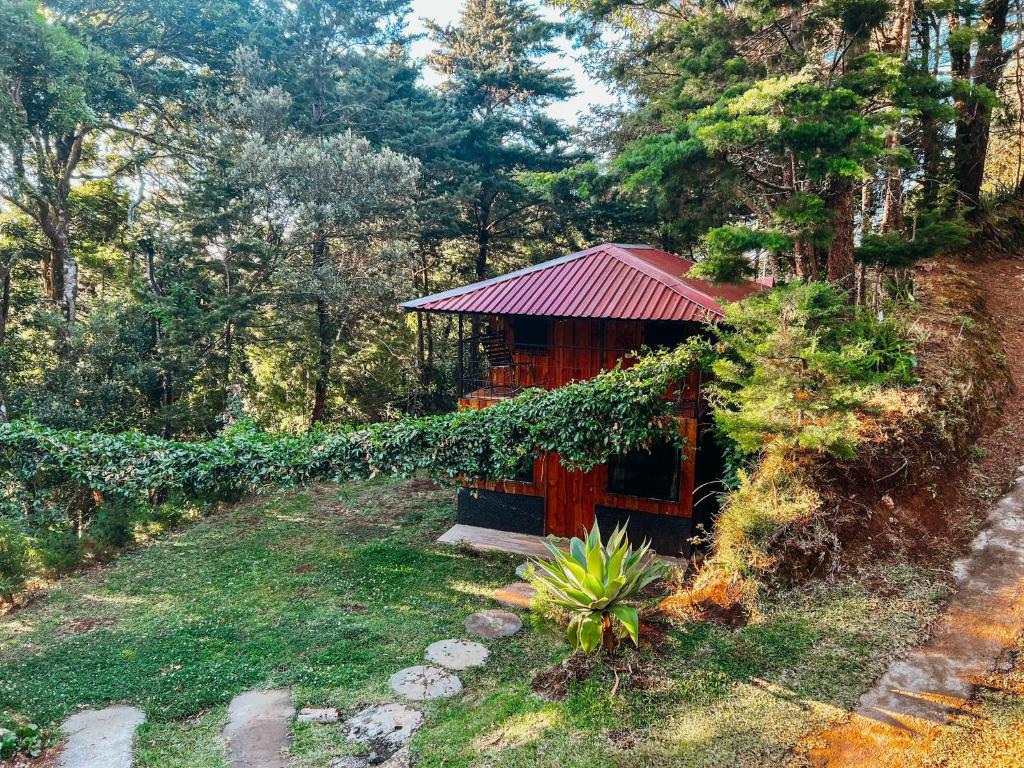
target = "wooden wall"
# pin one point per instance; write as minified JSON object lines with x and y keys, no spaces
{"x":577,"y":349}
{"x":570,"y":496}
{"x":580,"y":349}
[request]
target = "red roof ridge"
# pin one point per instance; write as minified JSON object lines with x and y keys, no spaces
{"x":608,"y":280}
{"x":622,"y":252}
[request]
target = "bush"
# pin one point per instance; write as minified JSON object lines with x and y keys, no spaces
{"x":53,"y":477}
{"x":14,"y":560}
{"x":60,"y":549}
{"x":798,"y":364}
{"x":114,"y":525}
{"x":21,"y":739}
{"x":799,"y":374}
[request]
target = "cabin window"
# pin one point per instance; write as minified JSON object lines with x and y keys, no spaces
{"x":665,"y":334}
{"x":652,"y":474}
{"x":531,"y":332}
{"x":523,"y":473}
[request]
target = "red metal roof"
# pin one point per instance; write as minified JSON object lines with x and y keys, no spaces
{"x":628,"y":282}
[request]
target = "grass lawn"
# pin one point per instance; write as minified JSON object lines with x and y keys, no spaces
{"x":331,"y":591}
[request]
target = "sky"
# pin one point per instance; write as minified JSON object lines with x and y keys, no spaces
{"x":591,"y":92}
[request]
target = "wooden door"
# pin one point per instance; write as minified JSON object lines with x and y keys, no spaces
{"x":568,"y":498}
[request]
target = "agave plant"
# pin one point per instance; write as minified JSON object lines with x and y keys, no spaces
{"x":592,"y":580}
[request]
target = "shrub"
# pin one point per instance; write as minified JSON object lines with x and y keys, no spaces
{"x":60,"y":549}
{"x":14,"y":560}
{"x":798,"y":364}
{"x":22,"y":739}
{"x":591,"y":581}
{"x":113,"y":527}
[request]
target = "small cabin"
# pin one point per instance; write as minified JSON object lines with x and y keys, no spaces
{"x":567,"y":320}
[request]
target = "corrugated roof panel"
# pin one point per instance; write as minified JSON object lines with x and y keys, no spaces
{"x":633,"y":282}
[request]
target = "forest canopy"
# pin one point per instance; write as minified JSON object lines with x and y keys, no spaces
{"x":210,"y":210}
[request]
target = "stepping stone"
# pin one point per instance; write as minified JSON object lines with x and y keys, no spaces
{"x":101,"y":738}
{"x":399,"y":759}
{"x":493,"y":623}
{"x":317,"y":715}
{"x":421,"y":683}
{"x":259,"y":728}
{"x":387,"y":726}
{"x":457,"y":654}
{"x":516,"y":595}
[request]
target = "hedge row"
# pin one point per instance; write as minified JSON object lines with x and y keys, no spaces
{"x":54,"y":480}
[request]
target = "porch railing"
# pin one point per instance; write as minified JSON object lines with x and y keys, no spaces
{"x":484,"y":374}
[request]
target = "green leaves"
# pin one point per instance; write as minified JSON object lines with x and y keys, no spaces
{"x":49,"y":477}
{"x":799,"y":364}
{"x":592,"y":579}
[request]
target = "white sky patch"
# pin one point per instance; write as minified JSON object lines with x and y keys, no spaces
{"x":590,"y":92}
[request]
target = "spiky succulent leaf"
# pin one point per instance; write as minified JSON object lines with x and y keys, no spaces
{"x":592,"y":579}
{"x":628,"y":617}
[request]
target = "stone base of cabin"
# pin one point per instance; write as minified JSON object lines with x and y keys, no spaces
{"x":669,"y":535}
{"x":491,"y":540}
{"x":518,"y":513}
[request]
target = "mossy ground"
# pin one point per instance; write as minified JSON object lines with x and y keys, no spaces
{"x":329,"y":591}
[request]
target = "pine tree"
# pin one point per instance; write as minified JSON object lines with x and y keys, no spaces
{"x":497,"y":89}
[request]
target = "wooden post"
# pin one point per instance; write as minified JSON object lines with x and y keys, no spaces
{"x":459,"y":383}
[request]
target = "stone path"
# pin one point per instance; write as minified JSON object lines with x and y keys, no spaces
{"x":421,"y":683}
{"x":259,"y":728}
{"x":916,"y":696}
{"x":493,"y":624}
{"x":518,"y":594}
{"x":258,"y":731}
{"x":385,"y":725}
{"x":385,"y":728}
{"x":101,"y":737}
{"x":457,"y":654}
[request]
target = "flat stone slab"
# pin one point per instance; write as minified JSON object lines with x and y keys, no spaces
{"x":400,"y":759}
{"x":457,"y":654}
{"x":387,"y":726}
{"x":519,"y":594}
{"x":493,"y":623}
{"x":101,"y":738}
{"x":317,"y":715}
{"x":421,"y":683}
{"x":259,"y":728}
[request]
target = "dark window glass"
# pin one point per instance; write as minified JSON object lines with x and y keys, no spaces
{"x":652,"y":474}
{"x":531,"y":332}
{"x":665,"y":334}
{"x":524,"y":474}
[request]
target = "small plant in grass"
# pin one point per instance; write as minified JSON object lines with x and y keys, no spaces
{"x":592,"y":581}
{"x":23,"y":739}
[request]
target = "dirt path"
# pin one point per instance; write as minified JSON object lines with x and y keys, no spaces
{"x":900,"y":716}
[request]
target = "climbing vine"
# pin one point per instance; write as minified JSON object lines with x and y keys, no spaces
{"x":60,"y":482}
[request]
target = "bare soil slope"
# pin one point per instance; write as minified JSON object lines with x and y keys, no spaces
{"x":905,"y":715}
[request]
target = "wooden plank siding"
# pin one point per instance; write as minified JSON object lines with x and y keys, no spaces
{"x":579,"y":349}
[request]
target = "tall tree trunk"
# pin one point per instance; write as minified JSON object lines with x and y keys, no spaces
{"x":325,"y":333}
{"x":892,"y":186}
{"x":840,"y":262}
{"x":483,"y":241}
{"x":166,"y":374}
{"x":973,"y":111}
{"x":5,"y":310}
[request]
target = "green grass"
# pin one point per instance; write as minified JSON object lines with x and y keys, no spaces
{"x":331,"y":591}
